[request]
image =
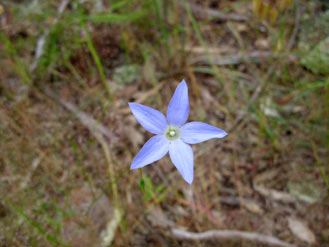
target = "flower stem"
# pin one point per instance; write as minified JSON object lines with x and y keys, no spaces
{"x":141,"y":181}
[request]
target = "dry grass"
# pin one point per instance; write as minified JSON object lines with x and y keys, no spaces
{"x":272,"y":166}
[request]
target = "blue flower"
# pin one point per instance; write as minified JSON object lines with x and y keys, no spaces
{"x":172,"y":134}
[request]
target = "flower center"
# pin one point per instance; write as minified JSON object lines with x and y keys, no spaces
{"x":172,"y":133}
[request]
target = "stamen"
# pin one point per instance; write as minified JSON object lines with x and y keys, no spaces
{"x":172,"y":133}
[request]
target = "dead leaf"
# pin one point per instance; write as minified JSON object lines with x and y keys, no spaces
{"x":274,"y":194}
{"x":262,"y":44}
{"x":301,"y":230}
{"x":252,"y":207}
{"x":266,"y":176}
{"x":268,"y":107}
{"x":307,"y":192}
{"x":158,"y":218}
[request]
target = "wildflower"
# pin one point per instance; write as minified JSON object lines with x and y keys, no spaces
{"x":172,"y":134}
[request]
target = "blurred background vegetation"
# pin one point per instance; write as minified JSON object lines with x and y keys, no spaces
{"x":257,"y":69}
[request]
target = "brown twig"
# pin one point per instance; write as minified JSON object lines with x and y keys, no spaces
{"x":200,"y":208}
{"x":254,"y":57}
{"x":222,"y":235}
{"x":205,"y":13}
{"x":275,"y":195}
{"x":95,"y":127}
{"x":294,"y":34}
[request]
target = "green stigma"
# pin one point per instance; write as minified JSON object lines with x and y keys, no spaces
{"x":172,"y":133}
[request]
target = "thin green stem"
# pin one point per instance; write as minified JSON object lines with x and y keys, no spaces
{"x":98,"y":62}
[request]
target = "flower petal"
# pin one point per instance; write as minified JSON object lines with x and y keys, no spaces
{"x":178,"y":108}
{"x":154,"y":149}
{"x":181,"y":155}
{"x":151,"y":119}
{"x":195,"y":132}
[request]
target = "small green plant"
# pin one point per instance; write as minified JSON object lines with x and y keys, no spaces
{"x":150,"y":193}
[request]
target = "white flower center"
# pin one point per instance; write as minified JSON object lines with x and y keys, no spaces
{"x":172,"y":132}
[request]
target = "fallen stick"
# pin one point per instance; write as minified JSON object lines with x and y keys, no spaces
{"x":205,"y":13}
{"x":95,"y":127}
{"x":275,"y":195}
{"x":252,"y":57}
{"x":229,"y":235}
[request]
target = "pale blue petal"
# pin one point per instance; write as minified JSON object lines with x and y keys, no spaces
{"x":154,"y":149}
{"x":178,"y":108}
{"x":181,"y":155}
{"x":151,"y":119}
{"x":195,"y":132}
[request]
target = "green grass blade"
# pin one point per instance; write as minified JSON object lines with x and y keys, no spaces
{"x":51,"y":238}
{"x":98,"y":62}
